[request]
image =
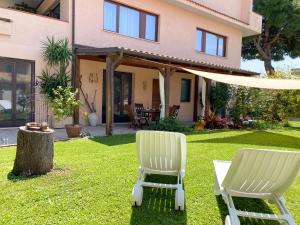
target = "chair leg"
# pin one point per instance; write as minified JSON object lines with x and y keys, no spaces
{"x":233,"y":217}
{"x":137,"y":191}
{"x":179,"y":194}
{"x":281,"y":205}
{"x":217,"y":187}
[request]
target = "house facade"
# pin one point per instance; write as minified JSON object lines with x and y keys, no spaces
{"x":135,"y":40}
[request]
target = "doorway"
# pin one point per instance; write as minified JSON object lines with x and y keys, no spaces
{"x":122,"y":96}
{"x":16,"y":102}
{"x":155,"y":94}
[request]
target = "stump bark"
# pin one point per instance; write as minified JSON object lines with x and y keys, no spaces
{"x":35,"y":153}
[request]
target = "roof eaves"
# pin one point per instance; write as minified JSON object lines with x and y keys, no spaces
{"x":155,"y":56}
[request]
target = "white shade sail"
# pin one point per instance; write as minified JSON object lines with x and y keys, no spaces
{"x":279,"y":84}
{"x":162,"y":95}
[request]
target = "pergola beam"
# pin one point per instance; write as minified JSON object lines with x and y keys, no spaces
{"x":207,"y":96}
{"x":112,"y":62}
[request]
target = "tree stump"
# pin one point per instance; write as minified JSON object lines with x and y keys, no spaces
{"x":34,"y":154}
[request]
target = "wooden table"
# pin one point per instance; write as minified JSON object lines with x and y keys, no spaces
{"x":151,"y":114}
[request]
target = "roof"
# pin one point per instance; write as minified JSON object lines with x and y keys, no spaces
{"x":91,"y":51}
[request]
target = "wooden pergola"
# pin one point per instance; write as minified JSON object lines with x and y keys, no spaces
{"x":166,"y":65}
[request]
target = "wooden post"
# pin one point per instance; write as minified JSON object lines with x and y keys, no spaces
{"x":112,"y":62}
{"x":196,"y":98}
{"x":207,"y":96}
{"x":109,"y":93}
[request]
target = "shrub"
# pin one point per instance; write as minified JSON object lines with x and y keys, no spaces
{"x":220,"y":96}
{"x":214,"y":121}
{"x":268,"y":105}
{"x":263,"y":124}
{"x":49,"y":83}
{"x":169,"y":124}
{"x":64,"y":102}
{"x":58,"y":55}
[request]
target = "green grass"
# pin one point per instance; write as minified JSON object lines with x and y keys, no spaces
{"x":93,"y":179}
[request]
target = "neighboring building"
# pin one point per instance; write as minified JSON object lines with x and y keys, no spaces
{"x":145,"y":35}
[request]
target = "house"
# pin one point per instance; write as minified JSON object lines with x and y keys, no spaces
{"x":136,"y":40}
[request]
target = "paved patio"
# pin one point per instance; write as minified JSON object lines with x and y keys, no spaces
{"x":8,"y":136}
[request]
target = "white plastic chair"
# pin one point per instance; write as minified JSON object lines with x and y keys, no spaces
{"x":262,"y":174}
{"x":161,"y":153}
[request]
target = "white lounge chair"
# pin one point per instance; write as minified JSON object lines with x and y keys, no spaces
{"x":262,"y":174}
{"x":161,"y":153}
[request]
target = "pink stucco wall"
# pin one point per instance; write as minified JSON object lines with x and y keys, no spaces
{"x":177,"y":31}
{"x":23,"y":37}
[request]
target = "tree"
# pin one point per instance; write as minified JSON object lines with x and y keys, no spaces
{"x":280,"y":32}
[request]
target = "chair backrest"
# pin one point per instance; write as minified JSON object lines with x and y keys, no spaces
{"x":174,"y":110}
{"x":138,"y":108}
{"x":129,"y":111}
{"x":161,"y":151}
{"x":262,"y":171}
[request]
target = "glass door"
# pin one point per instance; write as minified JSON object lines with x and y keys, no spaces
{"x":23,"y":92}
{"x":15,"y":92}
{"x":122,"y":96}
{"x":6,"y":92}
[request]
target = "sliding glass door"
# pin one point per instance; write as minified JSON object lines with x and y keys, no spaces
{"x":122,"y":96}
{"x":16,"y":104}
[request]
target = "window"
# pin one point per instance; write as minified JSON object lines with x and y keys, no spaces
{"x":110,"y":16}
{"x":129,"y":21}
{"x":54,"y":12}
{"x":210,"y":43}
{"x":185,"y":90}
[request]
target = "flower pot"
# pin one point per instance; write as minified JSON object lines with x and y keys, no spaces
{"x":73,"y":131}
{"x":60,"y":124}
{"x":93,"y":119}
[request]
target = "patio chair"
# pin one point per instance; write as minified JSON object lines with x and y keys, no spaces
{"x":138,"y":108}
{"x":261,"y":174}
{"x":139,"y":115}
{"x":174,"y":110}
{"x":162,"y":153}
{"x":133,"y":122}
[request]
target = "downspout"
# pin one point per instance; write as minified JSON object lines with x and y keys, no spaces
{"x":74,"y":83}
{"x":73,"y":43}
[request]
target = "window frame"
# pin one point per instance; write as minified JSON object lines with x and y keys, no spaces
{"x":142,"y":23}
{"x":49,"y":12}
{"x":190,"y":90}
{"x":203,"y":42}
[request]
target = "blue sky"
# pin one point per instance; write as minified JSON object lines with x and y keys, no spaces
{"x":258,"y":66}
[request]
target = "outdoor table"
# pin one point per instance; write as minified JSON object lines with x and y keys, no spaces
{"x":150,"y":114}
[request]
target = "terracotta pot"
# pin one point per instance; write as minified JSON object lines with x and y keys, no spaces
{"x":73,"y":131}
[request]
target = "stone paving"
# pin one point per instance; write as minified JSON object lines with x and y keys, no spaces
{"x":8,"y":136}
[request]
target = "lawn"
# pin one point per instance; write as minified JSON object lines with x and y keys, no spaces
{"x":92,"y":182}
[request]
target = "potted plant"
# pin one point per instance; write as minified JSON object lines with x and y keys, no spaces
{"x":55,"y":81}
{"x":63,"y":105}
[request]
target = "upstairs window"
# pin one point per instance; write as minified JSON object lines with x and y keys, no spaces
{"x":209,"y":43}
{"x":129,"y":21}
